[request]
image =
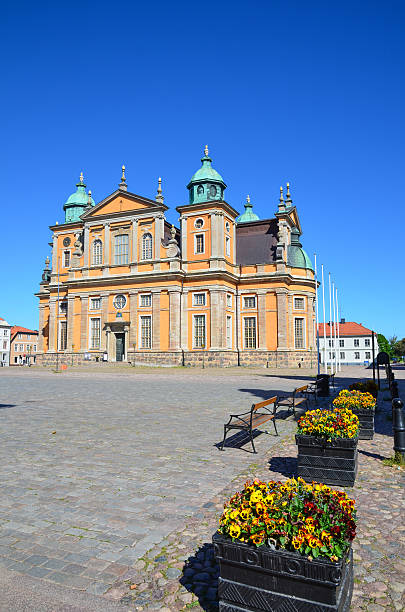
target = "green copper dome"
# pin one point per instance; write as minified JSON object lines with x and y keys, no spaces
{"x":296,"y":256}
{"x":76,"y":203}
{"x":248,"y":215}
{"x":206,"y":184}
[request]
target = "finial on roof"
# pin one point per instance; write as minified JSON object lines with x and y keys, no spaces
{"x":123,"y":183}
{"x":248,"y":199}
{"x":281,"y":203}
{"x":288,"y":198}
{"x":89,"y":199}
{"x":281,"y":195}
{"x":56,"y":222}
{"x":47,"y":262}
{"x":81,"y":177}
{"x":159,"y":196}
{"x":206,"y":150}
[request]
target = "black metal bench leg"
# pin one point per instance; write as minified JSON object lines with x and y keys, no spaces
{"x":223,"y":441}
{"x":251,"y":439}
{"x":275,"y":426}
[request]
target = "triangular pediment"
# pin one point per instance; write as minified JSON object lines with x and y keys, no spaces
{"x":122,"y":202}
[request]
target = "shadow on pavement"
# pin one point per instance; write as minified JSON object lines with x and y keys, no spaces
{"x":2,"y":406}
{"x":287,"y":466}
{"x":200,"y":576}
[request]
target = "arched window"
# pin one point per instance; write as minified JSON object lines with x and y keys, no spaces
{"x":147,"y":246}
{"x":97,"y":253}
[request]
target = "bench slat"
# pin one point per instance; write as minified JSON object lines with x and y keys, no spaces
{"x":272,"y":400}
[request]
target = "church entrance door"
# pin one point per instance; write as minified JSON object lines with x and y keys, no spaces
{"x":119,"y":347}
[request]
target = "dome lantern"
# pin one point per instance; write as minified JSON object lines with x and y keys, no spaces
{"x":206,"y":184}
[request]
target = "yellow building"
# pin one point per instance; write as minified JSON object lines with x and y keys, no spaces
{"x":124,"y":285}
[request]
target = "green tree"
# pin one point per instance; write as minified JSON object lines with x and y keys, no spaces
{"x":384,"y":345}
{"x":399,"y":348}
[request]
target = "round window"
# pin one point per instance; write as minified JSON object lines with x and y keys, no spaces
{"x":227,"y":226}
{"x":119,"y":301}
{"x":199,"y":223}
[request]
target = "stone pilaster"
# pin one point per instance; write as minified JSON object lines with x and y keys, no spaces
{"x":86,"y":247}
{"x":84,"y":342}
{"x":159,"y":234}
{"x":214,"y":235}
{"x":291,"y":343}
{"x":281,"y":295}
{"x":104,"y":319}
{"x":156,"y":321}
{"x":238,"y":318}
{"x":54,"y":255}
{"x":52,"y":324}
{"x":184,"y":321}
{"x":218,"y":340}
{"x":106,"y":244}
{"x":183,"y":223}
{"x":133,"y":318}
{"x":41,"y":328}
{"x":135,"y":240}
{"x":261,"y":319}
{"x":174,"y":319}
{"x":70,"y":321}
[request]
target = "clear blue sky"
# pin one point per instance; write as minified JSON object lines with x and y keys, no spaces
{"x":306,"y":92}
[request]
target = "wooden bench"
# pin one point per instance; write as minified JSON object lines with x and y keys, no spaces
{"x":298,"y":398}
{"x":248,"y":421}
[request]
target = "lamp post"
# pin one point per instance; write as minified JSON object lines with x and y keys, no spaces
{"x":73,"y":349}
{"x":134,"y":345}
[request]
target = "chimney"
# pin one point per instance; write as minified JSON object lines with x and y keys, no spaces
{"x":343,"y":320}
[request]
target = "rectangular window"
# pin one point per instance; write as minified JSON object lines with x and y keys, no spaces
{"x":357,"y":355}
{"x":367,"y":342}
{"x":228,"y":332}
{"x":227,"y":246}
{"x":199,"y":299}
{"x":199,"y":243}
{"x":95,"y":333}
{"x":342,"y":355}
{"x":5,"y":332}
{"x":229,"y":300}
{"x":146,"y":332}
{"x":66,"y":259}
{"x":63,"y":306}
{"x":249,"y":301}
{"x":341,"y":343}
{"x":19,"y":336}
{"x":330,"y":343}
{"x":146,"y":300}
{"x":250,"y":332}
{"x":62,"y":336}
{"x":356,"y":342}
{"x":368,"y":355}
{"x":35,"y":348}
{"x":15,"y":359}
{"x":95,"y":303}
{"x":199,"y":331}
{"x":331,"y":355}
{"x":4,"y":344}
{"x":299,"y":333}
{"x":299,"y":303}
{"x":121,"y":249}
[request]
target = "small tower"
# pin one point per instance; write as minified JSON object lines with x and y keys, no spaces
{"x":248,"y":215}
{"x":77,"y":203}
{"x":206,"y":184}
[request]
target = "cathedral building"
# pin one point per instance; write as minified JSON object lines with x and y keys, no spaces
{"x":221,"y":289}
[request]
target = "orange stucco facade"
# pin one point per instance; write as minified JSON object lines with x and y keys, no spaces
{"x":125,"y":285}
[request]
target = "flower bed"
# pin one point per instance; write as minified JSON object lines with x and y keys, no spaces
{"x":354,"y":399}
{"x":329,"y":424}
{"x":286,"y":546}
{"x":310,"y":518}
{"x":367,"y":386}
{"x":363,"y":406}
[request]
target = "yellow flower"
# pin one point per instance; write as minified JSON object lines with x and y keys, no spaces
{"x":234,"y":531}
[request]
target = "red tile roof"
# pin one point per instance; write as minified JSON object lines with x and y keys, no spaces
{"x":350,"y":328}
{"x":16,"y":329}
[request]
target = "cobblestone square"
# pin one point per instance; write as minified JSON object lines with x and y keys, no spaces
{"x":102,"y":470}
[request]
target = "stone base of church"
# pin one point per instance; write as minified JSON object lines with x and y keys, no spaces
{"x":205,"y":359}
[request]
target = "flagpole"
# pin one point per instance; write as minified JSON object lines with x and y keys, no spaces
{"x":330,"y":323}
{"x":57,"y":325}
{"x":334,"y":325}
{"x":316,"y":317}
{"x":338,"y":329}
{"x":324,"y":323}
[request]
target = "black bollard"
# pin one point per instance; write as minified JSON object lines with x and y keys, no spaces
{"x":398,"y":426}
{"x":394,"y":389}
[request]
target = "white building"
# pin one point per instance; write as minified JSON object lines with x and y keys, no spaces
{"x":4,"y":342}
{"x":354,"y":346}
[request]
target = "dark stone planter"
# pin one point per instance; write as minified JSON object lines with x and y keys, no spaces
{"x":333,"y":463}
{"x":262,"y":579}
{"x":366,"y":421}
